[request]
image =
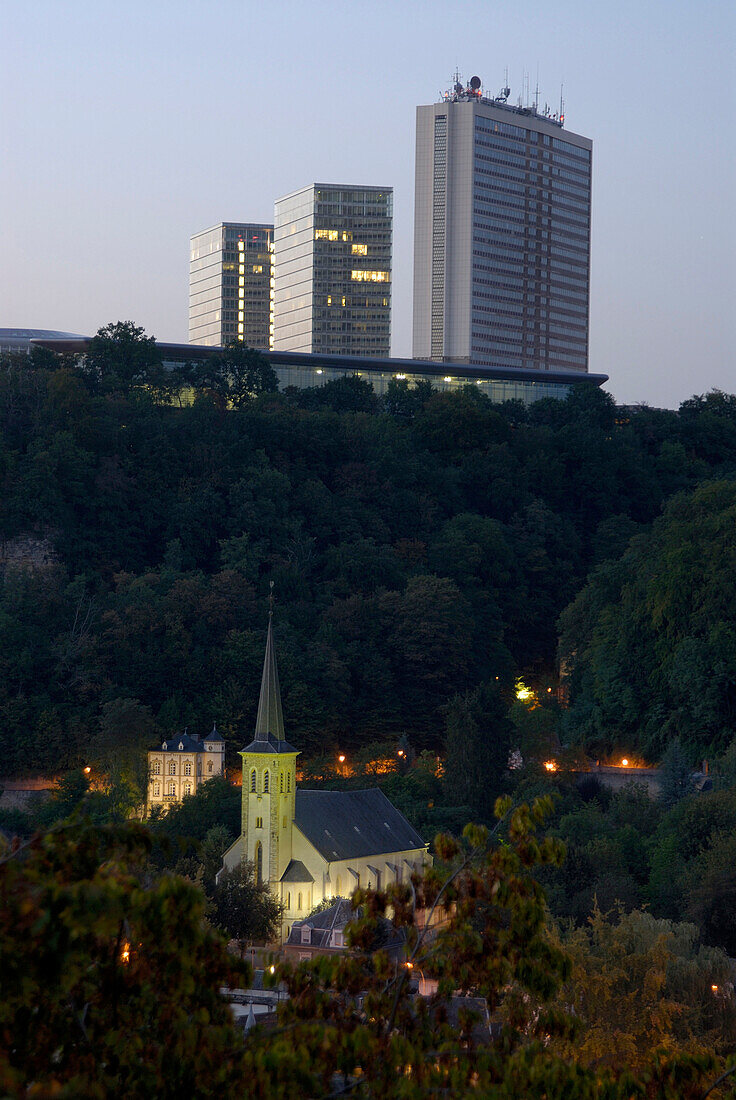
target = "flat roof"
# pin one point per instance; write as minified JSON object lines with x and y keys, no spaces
{"x":188,"y":352}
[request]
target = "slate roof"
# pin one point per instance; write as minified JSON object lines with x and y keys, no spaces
{"x":171,"y":744}
{"x":353,"y":824}
{"x":269,"y":734}
{"x":296,"y":872}
{"x":215,"y":735}
{"x":269,"y":744}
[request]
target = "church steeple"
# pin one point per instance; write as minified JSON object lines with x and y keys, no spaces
{"x":269,"y":780}
{"x":270,"y":720}
{"x":269,"y":732}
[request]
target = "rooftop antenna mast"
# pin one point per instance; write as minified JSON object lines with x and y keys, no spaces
{"x":562,"y":105}
{"x":536,"y":91}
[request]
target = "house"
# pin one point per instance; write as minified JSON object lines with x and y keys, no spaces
{"x":181,"y":765}
{"x":313,"y":845}
{"x":323,"y":933}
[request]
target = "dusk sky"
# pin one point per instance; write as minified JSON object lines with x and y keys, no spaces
{"x":125,"y":127}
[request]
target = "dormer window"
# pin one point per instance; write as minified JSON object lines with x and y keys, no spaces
{"x":181,"y":746}
{"x":164,"y":746}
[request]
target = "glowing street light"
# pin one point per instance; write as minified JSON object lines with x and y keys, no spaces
{"x":624,"y":763}
{"x":550,"y":765}
{"x":341,"y":758}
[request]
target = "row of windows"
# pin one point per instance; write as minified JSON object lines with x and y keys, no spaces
{"x":171,"y":789}
{"x":266,"y":782}
{"x":187,"y":769}
{"x":571,"y":150}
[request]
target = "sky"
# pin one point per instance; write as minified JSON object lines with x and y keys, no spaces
{"x":126,"y":127}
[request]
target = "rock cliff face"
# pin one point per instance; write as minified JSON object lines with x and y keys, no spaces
{"x":27,"y":552}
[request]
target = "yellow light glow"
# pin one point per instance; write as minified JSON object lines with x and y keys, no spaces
{"x":318,"y":370}
{"x":401,"y":376}
{"x":241,"y":281}
{"x":125,"y":953}
{"x":448,"y":378}
{"x":359,"y":249}
{"x":624,"y":763}
{"x":409,"y":965}
{"x":370,"y":276}
{"x":714,"y":988}
{"x":87,"y":770}
{"x":523,"y":693}
{"x":550,"y":765}
{"x":241,"y":246}
{"x":272,"y":969}
{"x":341,"y":757}
{"x":344,"y":300}
{"x":325,"y":234}
{"x":401,"y":752}
{"x":257,"y":269}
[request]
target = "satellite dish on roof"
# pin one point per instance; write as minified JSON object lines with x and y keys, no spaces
{"x":475,"y":83}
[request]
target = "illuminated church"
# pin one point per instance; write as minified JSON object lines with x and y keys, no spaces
{"x":312,"y":845}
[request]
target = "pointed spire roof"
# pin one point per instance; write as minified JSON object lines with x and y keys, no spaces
{"x":269,"y":734}
{"x":270,"y":718}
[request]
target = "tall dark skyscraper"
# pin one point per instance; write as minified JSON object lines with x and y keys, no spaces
{"x":501,"y":234}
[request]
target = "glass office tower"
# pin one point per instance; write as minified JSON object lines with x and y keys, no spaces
{"x":501,"y":235}
{"x":332,"y":266}
{"x":231,"y":285}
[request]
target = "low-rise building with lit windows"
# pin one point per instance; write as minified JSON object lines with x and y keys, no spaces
{"x":181,"y":765}
{"x":332,"y":270}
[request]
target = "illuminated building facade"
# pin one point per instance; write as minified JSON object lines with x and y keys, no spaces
{"x":501,"y":235}
{"x":181,"y":766}
{"x":231,"y":286}
{"x":332,"y":266}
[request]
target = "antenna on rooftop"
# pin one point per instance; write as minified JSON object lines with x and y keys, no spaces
{"x":562,"y":105}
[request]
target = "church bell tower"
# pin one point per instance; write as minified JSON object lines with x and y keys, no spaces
{"x":269,"y":780}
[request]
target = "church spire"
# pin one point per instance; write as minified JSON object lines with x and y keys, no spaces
{"x":270,"y":718}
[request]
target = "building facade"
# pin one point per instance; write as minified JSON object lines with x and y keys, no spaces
{"x":303,"y":370}
{"x":181,"y":765}
{"x":501,"y":235}
{"x":332,"y":266}
{"x":312,"y":845}
{"x":231,"y":285}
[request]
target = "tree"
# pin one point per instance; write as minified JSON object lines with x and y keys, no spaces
{"x":120,"y":357}
{"x":676,"y":774}
{"x":239,"y":374}
{"x":244,"y":909}
{"x":478,"y":742}
{"x":103,"y":976}
{"x":638,"y":984}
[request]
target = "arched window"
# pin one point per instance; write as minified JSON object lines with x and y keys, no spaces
{"x":299,"y":902}
{"x":209,"y":765}
{"x":281,"y":783}
{"x":288,"y":901}
{"x":253,"y":781}
{"x":259,"y":863}
{"x":265,"y":782}
{"x":188,"y":768}
{"x":172,"y":767}
{"x":157,"y":768}
{"x":187,"y":788}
